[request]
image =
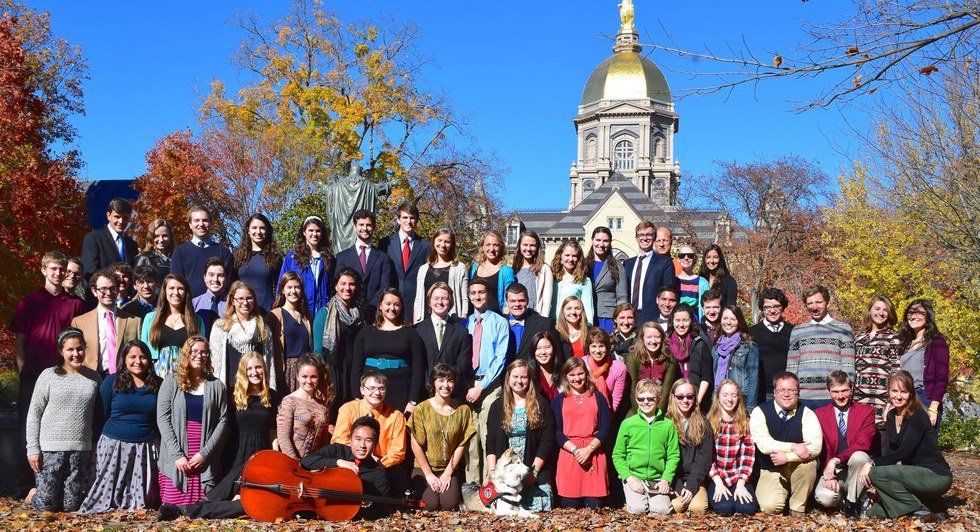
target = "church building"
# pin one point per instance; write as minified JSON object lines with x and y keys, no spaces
{"x":625,"y":169}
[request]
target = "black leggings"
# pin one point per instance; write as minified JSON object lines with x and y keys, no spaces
{"x":588,"y":502}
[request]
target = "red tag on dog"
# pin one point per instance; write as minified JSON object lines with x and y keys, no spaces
{"x":488,"y":493}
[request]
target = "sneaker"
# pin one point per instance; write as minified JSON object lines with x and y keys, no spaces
{"x":168,"y":512}
{"x":925,"y":515}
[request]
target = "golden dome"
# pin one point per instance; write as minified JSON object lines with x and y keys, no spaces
{"x":626,"y":75}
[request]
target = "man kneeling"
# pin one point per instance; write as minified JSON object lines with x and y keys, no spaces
{"x":356,"y":457}
{"x":848,"y":433}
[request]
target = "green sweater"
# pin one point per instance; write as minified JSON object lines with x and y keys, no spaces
{"x":647,"y":451}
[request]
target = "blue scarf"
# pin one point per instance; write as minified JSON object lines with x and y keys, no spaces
{"x":725,"y":346}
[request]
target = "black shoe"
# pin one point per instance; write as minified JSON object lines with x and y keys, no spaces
{"x":851,"y":510}
{"x":169,"y":512}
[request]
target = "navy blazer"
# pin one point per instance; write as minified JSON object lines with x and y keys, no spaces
{"x":99,"y":251}
{"x":660,"y":273}
{"x":407,"y":279}
{"x":457,"y":351}
{"x":378,"y":277}
{"x":533,"y":324}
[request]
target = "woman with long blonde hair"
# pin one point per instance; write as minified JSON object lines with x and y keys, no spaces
{"x":522,"y":420}
{"x":192,"y":413}
{"x":877,"y":355}
{"x":730,"y":490}
{"x":568,"y":267}
{"x":490,"y":266}
{"x":242,"y":330}
{"x":697,"y":448}
{"x":573,"y":326}
{"x":650,"y":359}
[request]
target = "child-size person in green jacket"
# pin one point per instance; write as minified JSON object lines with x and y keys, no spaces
{"x":647,"y":453}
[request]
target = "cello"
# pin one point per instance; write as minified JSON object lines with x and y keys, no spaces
{"x":274,"y":486}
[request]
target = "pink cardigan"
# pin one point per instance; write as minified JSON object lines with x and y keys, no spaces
{"x":615,"y":380}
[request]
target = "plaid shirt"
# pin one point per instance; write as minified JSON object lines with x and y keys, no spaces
{"x":734,"y":455}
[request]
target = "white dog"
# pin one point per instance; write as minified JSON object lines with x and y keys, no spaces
{"x":504,"y":491}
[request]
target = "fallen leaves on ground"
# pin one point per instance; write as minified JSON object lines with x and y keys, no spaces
{"x":963,"y":499}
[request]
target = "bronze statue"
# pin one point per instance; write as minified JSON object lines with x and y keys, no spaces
{"x":347,"y":195}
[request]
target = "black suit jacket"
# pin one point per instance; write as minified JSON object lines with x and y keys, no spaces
{"x":660,"y":273}
{"x":533,"y":324}
{"x":457,"y":351}
{"x":407,"y":279}
{"x":99,"y":250}
{"x":378,"y":277}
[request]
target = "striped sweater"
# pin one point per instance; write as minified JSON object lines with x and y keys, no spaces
{"x":815,"y":350}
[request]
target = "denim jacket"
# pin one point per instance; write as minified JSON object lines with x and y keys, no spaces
{"x":744,"y":370}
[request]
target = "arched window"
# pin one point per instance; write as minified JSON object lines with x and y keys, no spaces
{"x":624,"y":155}
{"x":590,"y":150}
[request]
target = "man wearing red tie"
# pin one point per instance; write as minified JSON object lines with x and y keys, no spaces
{"x":408,"y":252}
{"x":848,"y":435}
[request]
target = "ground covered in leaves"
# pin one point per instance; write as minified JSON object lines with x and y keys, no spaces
{"x":963,"y":499}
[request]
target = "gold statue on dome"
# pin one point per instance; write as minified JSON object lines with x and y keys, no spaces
{"x":626,"y":14}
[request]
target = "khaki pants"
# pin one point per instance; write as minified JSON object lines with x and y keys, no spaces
{"x":850,"y":485}
{"x":794,"y":480}
{"x":477,"y":446}
{"x":650,"y":502}
{"x":698,"y":505}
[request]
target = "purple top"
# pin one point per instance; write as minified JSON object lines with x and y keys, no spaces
{"x":936,"y":375}
{"x":40,"y":317}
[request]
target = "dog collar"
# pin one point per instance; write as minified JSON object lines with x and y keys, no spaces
{"x":489,"y":495}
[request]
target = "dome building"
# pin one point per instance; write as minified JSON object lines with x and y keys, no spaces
{"x":625,"y":170}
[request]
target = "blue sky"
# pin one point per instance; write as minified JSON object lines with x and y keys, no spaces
{"x":515,"y":69}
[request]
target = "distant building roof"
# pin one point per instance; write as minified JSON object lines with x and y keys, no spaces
{"x":101,"y":192}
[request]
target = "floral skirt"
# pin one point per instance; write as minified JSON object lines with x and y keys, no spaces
{"x":124,"y":476}
{"x":166,"y":362}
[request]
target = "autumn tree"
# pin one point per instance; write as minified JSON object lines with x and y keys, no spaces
{"x":775,"y":204}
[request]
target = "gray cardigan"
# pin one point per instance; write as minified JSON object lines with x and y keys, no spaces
{"x":609,"y":293}
{"x":172,"y":420}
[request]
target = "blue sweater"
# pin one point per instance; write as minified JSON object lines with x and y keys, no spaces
{"x":191,"y":261}
{"x":131,"y":417}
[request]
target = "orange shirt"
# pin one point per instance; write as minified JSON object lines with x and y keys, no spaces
{"x":390,"y":448}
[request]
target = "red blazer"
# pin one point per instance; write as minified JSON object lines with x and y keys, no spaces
{"x":861,"y":431}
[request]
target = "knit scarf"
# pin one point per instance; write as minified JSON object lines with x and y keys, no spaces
{"x":599,"y":372}
{"x":681,"y":348}
{"x":726,"y":346}
{"x":337,"y":312}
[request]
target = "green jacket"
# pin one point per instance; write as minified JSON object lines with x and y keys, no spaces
{"x":647,"y":451}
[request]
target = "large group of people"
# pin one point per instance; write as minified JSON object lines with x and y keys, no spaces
{"x":150,"y":376}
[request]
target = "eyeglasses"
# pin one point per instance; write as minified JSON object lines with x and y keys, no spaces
{"x":107,"y":290}
{"x":787,"y":391}
{"x":646,"y":399}
{"x":688,"y":397}
{"x":244,"y":299}
{"x":686,"y":256}
{"x":200,"y":354}
{"x":644,"y":235}
{"x":376,"y":389}
{"x":772,"y":307}
{"x":917,"y":312}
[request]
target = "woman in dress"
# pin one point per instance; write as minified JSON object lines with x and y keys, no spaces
{"x":692,"y":350}
{"x":126,"y":455}
{"x":442,"y":266}
{"x":697,"y":448}
{"x":312,"y":260}
{"x":254,"y":406}
{"x":59,"y":427}
{"x":735,"y":356}
{"x":257,"y":259}
{"x":334,"y":330}
{"x":714,"y":269}
{"x":925,"y":355}
{"x":730,"y":490}
{"x":167,"y":328}
{"x":568,"y":266}
{"x":522,"y":420}
{"x":547,"y":362}
{"x":608,"y":374}
{"x":158,"y":249}
{"x":289,"y":321}
{"x":440,"y":429}
{"x":625,"y":335}
{"x":651,"y":360}
{"x":573,"y":326}
{"x":241,"y":331}
{"x":607,"y":276}
{"x":582,"y":420}
{"x":394,"y":349}
{"x":192,"y":415}
{"x":877,"y":354}
{"x":691,"y":284}
{"x":532,"y":272}
{"x":303,"y":422}
{"x":490,"y":267}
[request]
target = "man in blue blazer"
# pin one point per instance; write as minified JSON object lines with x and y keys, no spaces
{"x":371,"y":263}
{"x":655,"y":271}
{"x":408,"y":252}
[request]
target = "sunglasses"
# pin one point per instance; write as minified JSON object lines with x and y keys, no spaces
{"x":686,"y":256}
{"x":689,"y":397}
{"x":646,"y":399}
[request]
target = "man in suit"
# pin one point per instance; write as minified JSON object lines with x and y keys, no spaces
{"x":190,"y":259}
{"x":371,"y":263}
{"x":408,"y":252}
{"x":524,"y":324}
{"x":647,"y":273}
{"x":110,"y":244}
{"x":848,"y":436}
{"x":105,"y":328}
{"x":446,"y":338}
{"x":147,"y":290}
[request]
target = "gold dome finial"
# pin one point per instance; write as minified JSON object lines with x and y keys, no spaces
{"x":627,"y":40}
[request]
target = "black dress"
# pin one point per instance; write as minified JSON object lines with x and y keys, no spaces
{"x":433,"y":276}
{"x":402,"y":348}
{"x":253,"y":425}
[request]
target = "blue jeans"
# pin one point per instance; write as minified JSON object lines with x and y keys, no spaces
{"x":731,"y":505}
{"x":925,"y":404}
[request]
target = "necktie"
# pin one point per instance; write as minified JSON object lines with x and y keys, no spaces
{"x":121,"y":248}
{"x":477,"y":341}
{"x":110,"y":341}
{"x":637,"y":274}
{"x":214,"y":303}
{"x":406,"y":251}
{"x":202,"y":244}
{"x":440,"y":330}
{"x":841,"y":427}
{"x":363,"y":257}
{"x":783,"y":414}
